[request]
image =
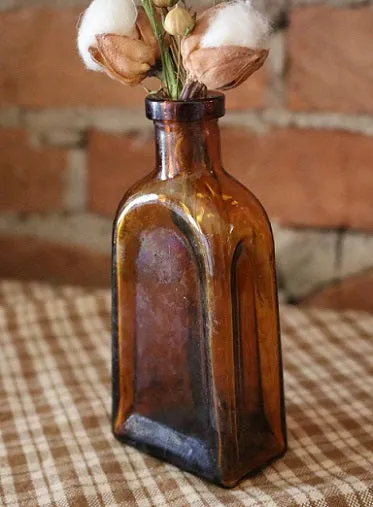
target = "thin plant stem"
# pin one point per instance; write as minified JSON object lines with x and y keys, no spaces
{"x":178,"y":62}
{"x":169,"y":73}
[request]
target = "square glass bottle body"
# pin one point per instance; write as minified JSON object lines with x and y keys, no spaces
{"x":197,"y":372}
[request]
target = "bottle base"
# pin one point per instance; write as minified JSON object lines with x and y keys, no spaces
{"x":188,"y":453}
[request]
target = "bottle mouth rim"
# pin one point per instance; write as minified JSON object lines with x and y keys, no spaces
{"x":209,"y":108}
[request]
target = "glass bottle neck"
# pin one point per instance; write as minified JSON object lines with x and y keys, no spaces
{"x":187,"y":147}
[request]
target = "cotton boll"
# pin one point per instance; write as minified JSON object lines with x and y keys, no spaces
{"x":104,"y":16}
{"x":236,"y":24}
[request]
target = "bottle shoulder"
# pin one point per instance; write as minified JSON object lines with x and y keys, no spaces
{"x":242,"y":201}
{"x":137,"y":189}
{"x":206,"y":199}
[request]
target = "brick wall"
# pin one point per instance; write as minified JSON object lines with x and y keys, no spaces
{"x":298,"y":133}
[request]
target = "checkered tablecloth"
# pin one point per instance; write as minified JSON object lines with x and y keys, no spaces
{"x":56,"y":446}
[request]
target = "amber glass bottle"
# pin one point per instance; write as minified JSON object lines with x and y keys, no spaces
{"x":197,"y":373}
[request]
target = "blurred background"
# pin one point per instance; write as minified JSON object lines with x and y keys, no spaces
{"x":298,"y":133}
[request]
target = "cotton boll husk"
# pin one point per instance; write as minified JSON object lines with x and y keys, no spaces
{"x":128,"y":58}
{"x":225,"y":67}
{"x":200,"y":4}
{"x":236,"y":23}
{"x":125,"y":59}
{"x":104,"y":16}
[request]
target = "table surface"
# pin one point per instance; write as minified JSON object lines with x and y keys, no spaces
{"x":56,"y":446}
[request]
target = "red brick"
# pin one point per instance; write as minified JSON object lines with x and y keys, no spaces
{"x":303,"y":177}
{"x":40,"y":66}
{"x":115,"y":163}
{"x":353,"y":293}
{"x":330,"y":59}
{"x":250,"y":95}
{"x":306,"y":177}
{"x":30,"y":258}
{"x":32,"y":179}
{"x":359,"y":187}
{"x":286,"y":170}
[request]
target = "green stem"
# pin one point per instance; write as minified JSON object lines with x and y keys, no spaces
{"x":167,"y":62}
{"x":178,"y":78}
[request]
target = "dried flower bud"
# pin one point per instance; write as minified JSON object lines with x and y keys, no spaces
{"x":179,"y":22}
{"x":127,"y":59}
{"x":164,"y":3}
{"x":222,"y":59}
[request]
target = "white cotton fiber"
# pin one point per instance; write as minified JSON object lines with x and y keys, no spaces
{"x":104,"y":16}
{"x":237,"y":24}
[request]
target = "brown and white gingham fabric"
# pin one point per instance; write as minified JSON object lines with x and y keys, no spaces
{"x":56,"y":446}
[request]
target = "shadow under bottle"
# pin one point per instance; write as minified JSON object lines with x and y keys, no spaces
{"x":197,"y":370}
